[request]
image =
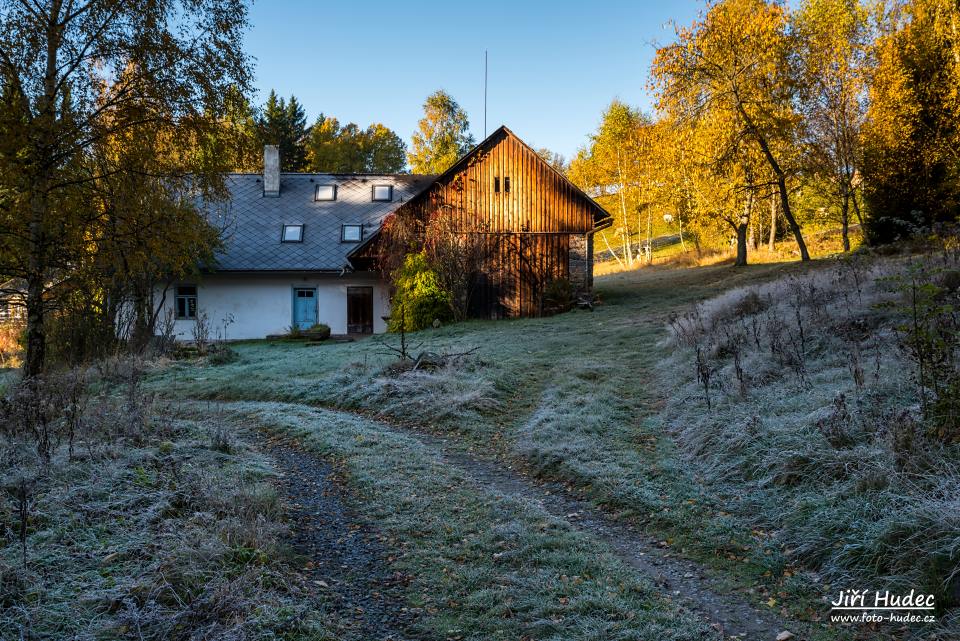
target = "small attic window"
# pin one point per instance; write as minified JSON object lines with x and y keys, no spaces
{"x":292,"y":234}
{"x":506,"y":184}
{"x":351,"y":233}
{"x":326,"y":192}
{"x":382,"y":193}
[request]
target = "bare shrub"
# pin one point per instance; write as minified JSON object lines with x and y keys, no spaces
{"x":201,"y":332}
{"x":704,"y":374}
{"x":165,"y":339}
{"x":221,"y":437}
{"x":855,"y":366}
{"x":687,"y":328}
{"x":929,"y":337}
{"x":906,"y":439}
{"x":47,"y":408}
{"x":836,"y":426}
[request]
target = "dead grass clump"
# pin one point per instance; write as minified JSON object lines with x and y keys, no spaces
{"x":431,"y":387}
{"x":448,"y":391}
{"x":835,"y":426}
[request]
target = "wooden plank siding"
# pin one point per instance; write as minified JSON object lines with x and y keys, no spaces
{"x":528,"y":228}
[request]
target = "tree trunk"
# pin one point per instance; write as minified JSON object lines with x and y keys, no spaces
{"x":741,"y":243}
{"x":627,"y":250}
{"x":610,"y":249}
{"x":791,"y":221}
{"x":33,"y":361}
{"x":781,"y":181}
{"x":845,"y":220}
{"x":742,"y":228}
{"x":42,"y":128}
{"x":856,"y":207}
{"x":773,"y":224}
{"x":683,"y":246}
{"x":142,"y":331}
{"x":649,"y":236}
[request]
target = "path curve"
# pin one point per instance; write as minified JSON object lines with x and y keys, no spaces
{"x":679,"y":579}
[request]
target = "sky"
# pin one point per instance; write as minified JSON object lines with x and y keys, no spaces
{"x":553,"y":66}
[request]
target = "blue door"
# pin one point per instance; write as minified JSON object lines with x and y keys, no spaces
{"x":304,"y":307}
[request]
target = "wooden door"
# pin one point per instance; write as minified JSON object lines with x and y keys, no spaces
{"x":359,"y":310}
{"x":304,"y":307}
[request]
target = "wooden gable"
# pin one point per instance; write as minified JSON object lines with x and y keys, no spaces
{"x":533,"y":224}
{"x":503,"y":185}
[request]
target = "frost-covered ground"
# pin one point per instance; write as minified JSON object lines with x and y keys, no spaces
{"x":782,"y":487}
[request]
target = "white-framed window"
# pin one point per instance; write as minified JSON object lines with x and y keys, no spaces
{"x":382,"y":193}
{"x":292,"y":234}
{"x":185,"y":302}
{"x":326,"y":192}
{"x":351,"y":233}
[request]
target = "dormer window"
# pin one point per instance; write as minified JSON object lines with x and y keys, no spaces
{"x":382,"y":193}
{"x":351,"y":233}
{"x":292,"y":234}
{"x":326,"y":192}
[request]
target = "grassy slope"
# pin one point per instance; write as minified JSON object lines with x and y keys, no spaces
{"x":571,"y":395}
{"x":821,"y":438}
{"x":483,"y":566}
{"x":601,"y":401}
{"x":158,"y":535}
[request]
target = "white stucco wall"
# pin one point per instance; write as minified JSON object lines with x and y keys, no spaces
{"x":263,"y":304}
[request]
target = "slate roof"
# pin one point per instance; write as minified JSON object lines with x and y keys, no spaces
{"x":252,"y":224}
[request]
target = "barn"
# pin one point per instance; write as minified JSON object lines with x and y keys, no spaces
{"x":301,"y":249}
{"x":538,"y":225}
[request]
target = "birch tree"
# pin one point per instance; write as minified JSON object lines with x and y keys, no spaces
{"x":65,"y":65}
{"x":735,"y":60}
{"x":442,"y":137}
{"x":831,"y":63}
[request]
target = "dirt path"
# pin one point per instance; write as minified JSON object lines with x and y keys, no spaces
{"x":344,"y":560}
{"x":679,"y":579}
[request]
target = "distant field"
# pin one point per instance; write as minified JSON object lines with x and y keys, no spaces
{"x":668,"y":250}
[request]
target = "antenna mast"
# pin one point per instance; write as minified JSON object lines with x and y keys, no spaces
{"x":484,"y":93}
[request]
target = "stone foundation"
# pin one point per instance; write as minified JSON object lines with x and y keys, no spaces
{"x":581,"y":263}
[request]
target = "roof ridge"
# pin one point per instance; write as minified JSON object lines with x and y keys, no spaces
{"x":333,"y":173}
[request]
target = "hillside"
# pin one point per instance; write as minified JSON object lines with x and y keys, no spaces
{"x":676,"y":463}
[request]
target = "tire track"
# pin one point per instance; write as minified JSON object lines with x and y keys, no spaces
{"x":679,"y":579}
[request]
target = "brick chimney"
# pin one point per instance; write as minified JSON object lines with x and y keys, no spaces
{"x":271,"y":171}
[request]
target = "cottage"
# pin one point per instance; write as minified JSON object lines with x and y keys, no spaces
{"x":300,"y":248}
